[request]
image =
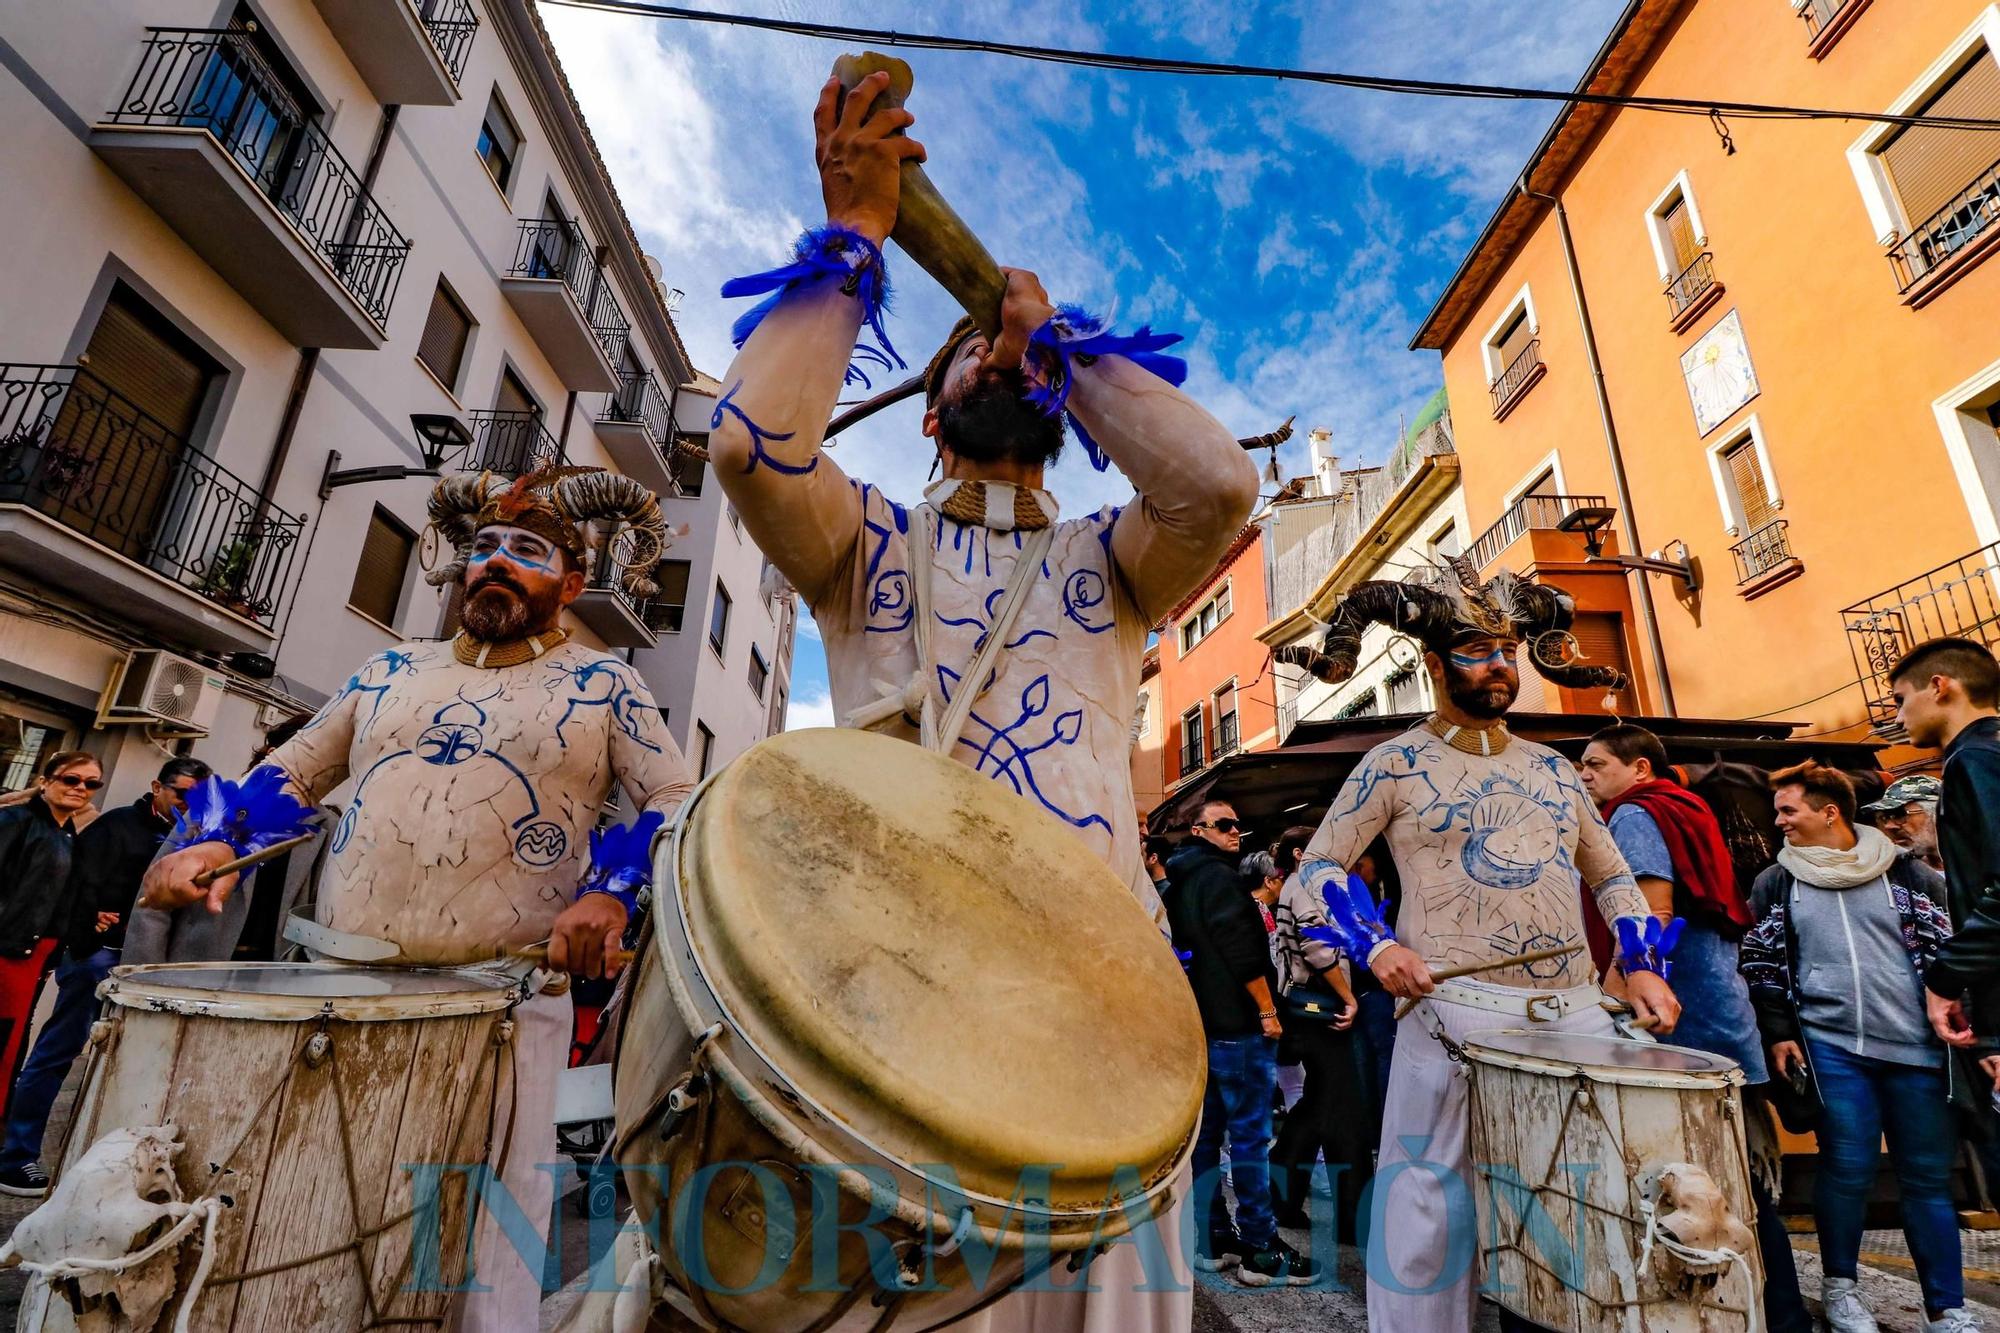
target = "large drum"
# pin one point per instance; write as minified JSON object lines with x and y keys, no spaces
{"x":1613,"y":1184}
{"x":897,"y":1040}
{"x":312,"y":1097}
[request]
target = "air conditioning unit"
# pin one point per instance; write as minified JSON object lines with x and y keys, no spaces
{"x":162,"y":689}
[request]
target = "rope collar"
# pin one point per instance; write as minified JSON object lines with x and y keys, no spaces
{"x":508,"y":652}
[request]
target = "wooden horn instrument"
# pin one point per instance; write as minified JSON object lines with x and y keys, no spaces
{"x":928,"y":229}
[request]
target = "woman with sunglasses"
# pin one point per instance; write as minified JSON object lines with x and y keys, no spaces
{"x":37,"y":838}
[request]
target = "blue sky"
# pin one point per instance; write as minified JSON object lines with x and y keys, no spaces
{"x":1295,"y":234}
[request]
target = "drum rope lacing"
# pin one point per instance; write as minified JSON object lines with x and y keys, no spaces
{"x":1580,"y":1095}
{"x":208,"y":1203}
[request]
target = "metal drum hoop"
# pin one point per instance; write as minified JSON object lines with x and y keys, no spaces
{"x":132,"y":987}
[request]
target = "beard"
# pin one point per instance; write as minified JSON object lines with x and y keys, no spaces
{"x":991,"y":421}
{"x":1488,"y":702}
{"x":497,"y":609}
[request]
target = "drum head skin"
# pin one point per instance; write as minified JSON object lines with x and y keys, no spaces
{"x":1604,"y":1059}
{"x":299,"y":991}
{"x":941,"y":965}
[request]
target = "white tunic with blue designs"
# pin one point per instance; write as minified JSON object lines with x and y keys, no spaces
{"x":474,"y":791}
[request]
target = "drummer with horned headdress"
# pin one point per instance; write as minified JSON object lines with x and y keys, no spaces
{"x":477,"y":771}
{"x":980,"y":622}
{"x":1493,"y":836}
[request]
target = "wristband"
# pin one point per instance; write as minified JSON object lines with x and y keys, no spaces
{"x":621,"y":860}
{"x":828,"y":251}
{"x":1644,"y":944}
{"x":246,"y":816}
{"x":1075,"y":336}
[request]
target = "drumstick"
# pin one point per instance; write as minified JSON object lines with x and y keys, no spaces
{"x":1494,"y":965}
{"x":258,"y":857}
{"x":1619,"y":1010}
{"x":539,"y":953}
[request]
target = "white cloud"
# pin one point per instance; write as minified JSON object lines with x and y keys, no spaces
{"x":810,"y":710}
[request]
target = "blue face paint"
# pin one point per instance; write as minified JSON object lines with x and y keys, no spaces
{"x":522,"y":548}
{"x":1467,"y":662}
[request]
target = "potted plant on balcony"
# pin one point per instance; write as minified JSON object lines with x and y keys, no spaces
{"x":228,"y":572}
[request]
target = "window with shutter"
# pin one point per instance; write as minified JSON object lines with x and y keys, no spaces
{"x":1514,"y":340}
{"x":499,"y":143}
{"x":704,"y":749}
{"x":760,"y":672}
{"x":1930,"y":166}
{"x":1600,"y":637}
{"x":446,"y":329}
{"x":383,"y":568}
{"x":718,"y":619}
{"x":1746,"y":479}
{"x":1680,"y":234}
{"x":668,"y":607}
{"x":690,"y":472}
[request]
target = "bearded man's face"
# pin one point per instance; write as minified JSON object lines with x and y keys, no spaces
{"x":1480,"y":677}
{"x":514,"y":584}
{"x":984,"y":416}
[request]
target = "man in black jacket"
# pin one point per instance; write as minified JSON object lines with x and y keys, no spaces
{"x":1217,"y":923}
{"x":111,"y":858}
{"x":1946,"y":691}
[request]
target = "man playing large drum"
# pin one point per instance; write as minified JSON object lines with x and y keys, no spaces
{"x":479,"y":769}
{"x":979,"y":622}
{"x":1492,"y":836}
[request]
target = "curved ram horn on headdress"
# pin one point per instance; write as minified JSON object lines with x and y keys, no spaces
{"x":558,"y":504}
{"x":1450,"y":606}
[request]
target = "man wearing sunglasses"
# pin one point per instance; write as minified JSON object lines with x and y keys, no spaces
{"x":111,"y":857}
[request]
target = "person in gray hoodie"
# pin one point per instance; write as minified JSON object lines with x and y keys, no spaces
{"x":1846,"y":926}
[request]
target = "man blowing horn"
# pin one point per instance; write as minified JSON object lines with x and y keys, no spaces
{"x":980,"y":622}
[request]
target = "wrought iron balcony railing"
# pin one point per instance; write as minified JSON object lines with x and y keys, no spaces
{"x":451,"y":24}
{"x":1192,"y":756}
{"x":1960,"y":599}
{"x":638,"y":399}
{"x":1818,"y":14}
{"x":74,"y":449}
{"x":1530,"y":511}
{"x":548,"y":248}
{"x":1515,"y":377}
{"x":1970,"y":214}
{"x":1691,"y":282}
{"x":217,"y":80}
{"x":1226,"y":742}
{"x":1762,"y":551}
{"x":510,"y":443}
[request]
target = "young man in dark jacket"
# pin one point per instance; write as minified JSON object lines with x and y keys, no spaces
{"x":110,"y":859}
{"x":1946,"y":691}
{"x":1216,"y":922}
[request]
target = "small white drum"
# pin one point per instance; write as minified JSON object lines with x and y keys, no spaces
{"x":1613,"y":1184}
{"x":311,"y":1096}
{"x":881,"y":985}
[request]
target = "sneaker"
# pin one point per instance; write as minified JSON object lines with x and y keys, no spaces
{"x":31,"y":1182}
{"x":1844,"y":1311}
{"x":1212,"y":1254}
{"x":1960,"y":1320}
{"x":1279,"y":1266}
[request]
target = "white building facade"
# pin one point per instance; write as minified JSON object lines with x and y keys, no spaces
{"x":275,"y":262}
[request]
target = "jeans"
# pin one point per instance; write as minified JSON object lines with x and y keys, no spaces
{"x":1330,"y":1120}
{"x":1865,"y":1097}
{"x":1242,"y":1073}
{"x":56,"y":1048}
{"x":1374,"y":1044}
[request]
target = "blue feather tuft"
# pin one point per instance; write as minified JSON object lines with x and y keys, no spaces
{"x":621,"y":859}
{"x":827,"y":251}
{"x":1074,"y":332}
{"x":249,"y":815}
{"x":1644,"y":944}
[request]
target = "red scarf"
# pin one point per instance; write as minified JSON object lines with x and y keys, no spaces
{"x":1701,"y":858}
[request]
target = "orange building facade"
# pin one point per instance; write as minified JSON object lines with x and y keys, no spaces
{"x":1800,"y":366}
{"x":1214,"y":693}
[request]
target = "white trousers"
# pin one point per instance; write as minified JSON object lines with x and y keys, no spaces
{"x":541,"y":1050}
{"x":1423,"y":1265}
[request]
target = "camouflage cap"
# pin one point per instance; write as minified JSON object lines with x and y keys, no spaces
{"x":1918,"y":788}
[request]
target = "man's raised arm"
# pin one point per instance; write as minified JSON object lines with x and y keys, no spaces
{"x":765,"y":435}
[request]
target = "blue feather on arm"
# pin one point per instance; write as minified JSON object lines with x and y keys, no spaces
{"x":621,"y":859}
{"x":249,"y":815}
{"x":1644,"y":945}
{"x":1074,"y":334}
{"x":828,"y":251}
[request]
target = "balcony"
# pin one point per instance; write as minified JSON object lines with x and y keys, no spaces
{"x":511,"y":444}
{"x":409,"y":52}
{"x":1826,"y":21}
{"x":1523,"y":374}
{"x":100,"y":500}
{"x":636,"y":427}
{"x":1949,"y":241}
{"x":1527,"y":514}
{"x":1192,"y":757}
{"x":1960,"y":599}
{"x":1764,"y":561}
{"x":608,"y":611}
{"x":556,"y":287}
{"x":207,"y":135}
{"x":1693,"y":291}
{"x":1226,"y":740}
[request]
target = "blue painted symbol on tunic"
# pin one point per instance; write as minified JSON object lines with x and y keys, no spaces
{"x":540,"y":844}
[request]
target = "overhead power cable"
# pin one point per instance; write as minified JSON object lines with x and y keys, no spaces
{"x":1684,"y":106}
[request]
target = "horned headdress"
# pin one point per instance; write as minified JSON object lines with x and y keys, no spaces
{"x":560,"y":505}
{"x":1448,"y":605}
